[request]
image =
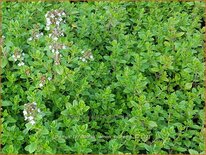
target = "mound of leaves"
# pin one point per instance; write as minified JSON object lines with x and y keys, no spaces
{"x":102,"y":77}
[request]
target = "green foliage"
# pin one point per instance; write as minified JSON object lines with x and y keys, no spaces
{"x":128,"y":77}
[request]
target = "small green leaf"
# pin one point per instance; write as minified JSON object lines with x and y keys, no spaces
{"x":152,"y":124}
{"x":45,"y":131}
{"x":180,"y":34}
{"x":28,"y":126}
{"x":188,"y":86}
{"x":180,"y":149}
{"x":191,"y":151}
{"x":106,"y":57}
{"x":4,"y":62}
{"x":31,"y":147}
{"x":9,"y":149}
{"x":59,"y":69}
{"x":6,"y":103}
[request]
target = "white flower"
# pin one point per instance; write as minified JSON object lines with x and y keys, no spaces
{"x":38,"y":110}
{"x":53,"y":50}
{"x":49,"y":78}
{"x":63,"y":14}
{"x":64,"y":47}
{"x":34,"y":103}
{"x":21,"y":64}
{"x":30,"y":39}
{"x":14,"y":57}
{"x":57,"y":52}
{"x":62,"y":34}
{"x":37,"y":36}
{"x":50,"y":47}
{"x":30,"y":118}
{"x":18,"y":56}
{"x":52,"y":16}
{"x":83,"y":59}
{"x":91,"y":57}
{"x":55,"y":30}
{"x":25,"y":112}
{"x":55,"y":38}
{"x":60,"y":19}
{"x":25,"y":118}
{"x":48,"y":22}
{"x":57,"y":22}
{"x":41,"y":85}
{"x":32,"y":122}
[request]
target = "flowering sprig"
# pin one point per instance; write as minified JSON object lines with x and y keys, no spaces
{"x":56,"y":33}
{"x":49,"y":78}
{"x":56,"y":47}
{"x":18,"y":56}
{"x":54,"y":17}
{"x":35,"y":34}
{"x":57,"y":58}
{"x":86,"y":56}
{"x":53,"y":20}
{"x":43,"y":80}
{"x":30,"y":112}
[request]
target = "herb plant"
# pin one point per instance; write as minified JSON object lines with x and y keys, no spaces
{"x":103,"y":77}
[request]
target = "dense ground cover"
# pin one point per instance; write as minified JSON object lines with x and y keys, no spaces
{"x":103,"y":77}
